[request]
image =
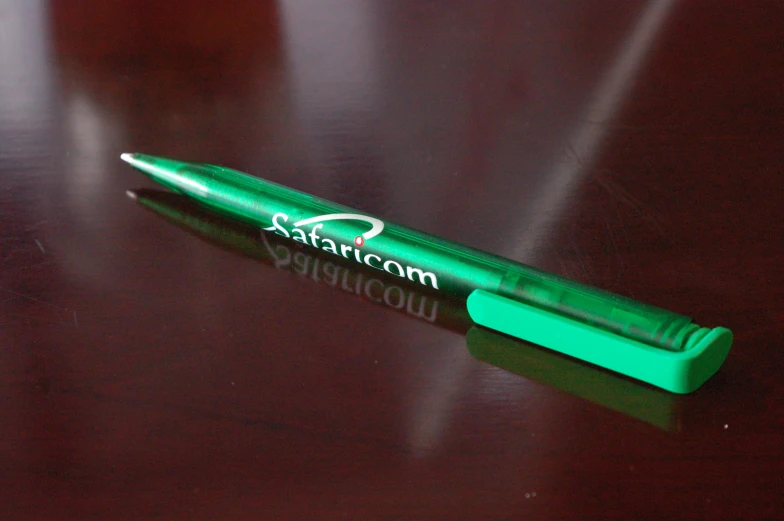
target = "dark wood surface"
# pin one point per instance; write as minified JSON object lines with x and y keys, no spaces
{"x":149,"y":372}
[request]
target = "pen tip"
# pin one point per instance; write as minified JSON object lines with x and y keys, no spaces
{"x":127,"y":157}
{"x":131,"y":194}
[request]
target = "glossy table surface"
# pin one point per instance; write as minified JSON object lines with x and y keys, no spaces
{"x":162,"y":363}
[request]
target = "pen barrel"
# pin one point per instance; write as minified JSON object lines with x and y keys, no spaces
{"x":649,"y":324}
{"x":416,"y":256}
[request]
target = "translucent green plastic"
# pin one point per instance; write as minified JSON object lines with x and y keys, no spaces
{"x":635,"y":339}
{"x":410,"y":254}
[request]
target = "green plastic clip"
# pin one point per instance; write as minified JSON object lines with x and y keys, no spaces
{"x":676,"y":371}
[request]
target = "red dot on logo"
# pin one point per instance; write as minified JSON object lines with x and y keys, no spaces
{"x":359,"y":241}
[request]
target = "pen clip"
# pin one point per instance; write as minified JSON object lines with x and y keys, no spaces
{"x":676,"y":371}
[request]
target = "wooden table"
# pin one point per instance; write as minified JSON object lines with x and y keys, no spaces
{"x":161,"y":363}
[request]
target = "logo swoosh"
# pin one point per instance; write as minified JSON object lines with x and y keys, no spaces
{"x":377,"y":224}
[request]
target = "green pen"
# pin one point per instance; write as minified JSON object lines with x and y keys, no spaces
{"x":641,"y":341}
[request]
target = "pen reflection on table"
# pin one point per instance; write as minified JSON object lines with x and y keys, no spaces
{"x":436,"y":307}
